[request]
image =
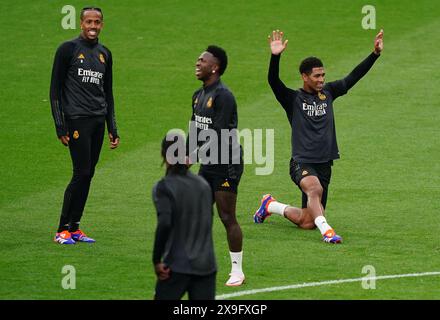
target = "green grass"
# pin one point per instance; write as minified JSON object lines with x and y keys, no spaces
{"x":385,"y":190}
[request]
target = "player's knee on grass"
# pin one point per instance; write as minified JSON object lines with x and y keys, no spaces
{"x":306,"y":221}
{"x":308,"y":226}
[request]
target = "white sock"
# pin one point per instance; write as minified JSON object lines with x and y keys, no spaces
{"x":322,"y":224}
{"x":236,"y":258}
{"x":277,"y":207}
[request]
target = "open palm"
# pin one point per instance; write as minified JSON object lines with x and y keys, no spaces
{"x":276,"y":43}
{"x":378,"y":42}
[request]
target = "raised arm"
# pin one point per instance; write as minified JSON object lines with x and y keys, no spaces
{"x":340,"y":87}
{"x":362,"y":69}
{"x":378,"y":42}
{"x":277,"y":46}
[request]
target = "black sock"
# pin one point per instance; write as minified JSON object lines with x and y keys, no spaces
{"x":74,"y":226}
{"x":63,"y":227}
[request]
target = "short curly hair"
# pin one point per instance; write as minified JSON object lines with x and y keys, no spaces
{"x":221,"y":56}
{"x":308,"y":64}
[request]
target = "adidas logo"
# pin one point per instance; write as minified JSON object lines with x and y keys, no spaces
{"x":226,"y":184}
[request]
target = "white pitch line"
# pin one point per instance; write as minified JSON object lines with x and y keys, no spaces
{"x":323,"y":283}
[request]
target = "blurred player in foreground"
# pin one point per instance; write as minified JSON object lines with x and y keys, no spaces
{"x":183,"y":254}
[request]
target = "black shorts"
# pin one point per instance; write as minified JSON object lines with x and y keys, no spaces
{"x":323,"y":171}
{"x":197,"y":287}
{"x":222,"y":180}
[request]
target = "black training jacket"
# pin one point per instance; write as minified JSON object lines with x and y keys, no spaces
{"x":81,"y":84}
{"x":311,"y":115}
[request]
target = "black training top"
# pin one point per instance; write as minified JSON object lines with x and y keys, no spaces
{"x":311,"y":115}
{"x":214,"y":108}
{"x":184,"y":230}
{"x":81,"y":84}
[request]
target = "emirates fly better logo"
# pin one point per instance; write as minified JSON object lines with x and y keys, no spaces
{"x":212,"y":147}
{"x":90,"y":76}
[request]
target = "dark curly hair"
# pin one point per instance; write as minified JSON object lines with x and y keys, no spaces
{"x":308,"y":64}
{"x":170,"y":139}
{"x":221,"y":56}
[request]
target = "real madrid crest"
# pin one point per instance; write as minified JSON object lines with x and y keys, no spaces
{"x":101,"y":58}
{"x":75,"y":134}
{"x":321,"y":96}
{"x":209,"y":103}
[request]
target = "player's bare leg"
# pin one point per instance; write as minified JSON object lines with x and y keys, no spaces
{"x":301,"y":217}
{"x":311,"y":186}
{"x":226,"y":204}
{"x":306,"y":218}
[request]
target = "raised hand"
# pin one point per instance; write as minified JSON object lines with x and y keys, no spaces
{"x":378,"y":42}
{"x":276,"y":43}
